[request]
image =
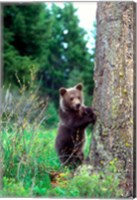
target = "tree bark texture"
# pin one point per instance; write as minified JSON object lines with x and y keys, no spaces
{"x":113,"y":93}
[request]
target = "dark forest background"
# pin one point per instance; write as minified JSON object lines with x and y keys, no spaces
{"x":49,"y":43}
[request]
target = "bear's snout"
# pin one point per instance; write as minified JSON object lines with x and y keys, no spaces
{"x":78,"y":105}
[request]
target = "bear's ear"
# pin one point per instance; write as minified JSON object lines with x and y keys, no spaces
{"x":62,"y":91}
{"x":79,"y":86}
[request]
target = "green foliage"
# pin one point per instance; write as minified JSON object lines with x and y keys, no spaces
{"x":29,"y":153}
{"x":89,"y":184}
{"x":69,"y":51}
{"x":30,"y":159}
{"x":21,"y":157}
{"x":11,"y":188}
{"x":50,"y":41}
{"x":29,"y":156}
{"x":23,"y":25}
{"x":87,"y":142}
{"x":52,"y":115}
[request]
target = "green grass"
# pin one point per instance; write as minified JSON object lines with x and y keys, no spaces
{"x":31,"y":167}
{"x":30,"y":158}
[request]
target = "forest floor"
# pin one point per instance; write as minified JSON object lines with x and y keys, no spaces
{"x":32,"y":168}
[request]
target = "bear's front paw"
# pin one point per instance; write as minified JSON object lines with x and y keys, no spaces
{"x":88,"y":111}
{"x":91,"y":115}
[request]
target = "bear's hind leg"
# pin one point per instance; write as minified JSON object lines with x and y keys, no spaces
{"x":65,"y":156}
{"x":78,"y":159}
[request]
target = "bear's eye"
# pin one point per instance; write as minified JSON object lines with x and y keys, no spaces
{"x":71,"y":99}
{"x":78,"y":97}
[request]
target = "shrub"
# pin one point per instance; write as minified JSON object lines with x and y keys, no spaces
{"x":89,"y":184}
{"x":29,"y":157}
{"x":52,"y":116}
{"x":11,"y":188}
{"x":28,"y":147}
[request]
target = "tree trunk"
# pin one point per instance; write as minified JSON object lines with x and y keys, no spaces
{"x":113,"y":94}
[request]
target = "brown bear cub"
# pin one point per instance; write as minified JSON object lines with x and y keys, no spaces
{"x":74,"y":118}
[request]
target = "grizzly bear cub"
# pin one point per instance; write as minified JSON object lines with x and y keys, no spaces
{"x":74,"y":118}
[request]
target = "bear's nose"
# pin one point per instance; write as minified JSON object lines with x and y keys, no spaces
{"x":78,"y":105}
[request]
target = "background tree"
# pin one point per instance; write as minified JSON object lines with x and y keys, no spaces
{"x":25,"y":30}
{"x":69,"y":58}
{"x":48,"y":41}
{"x":113,"y":94}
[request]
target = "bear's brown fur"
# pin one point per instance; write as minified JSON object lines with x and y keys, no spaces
{"x":74,"y":118}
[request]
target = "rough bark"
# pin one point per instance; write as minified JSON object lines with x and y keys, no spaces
{"x":113,"y":94}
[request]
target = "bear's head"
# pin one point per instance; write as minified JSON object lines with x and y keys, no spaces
{"x":71,"y":98}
